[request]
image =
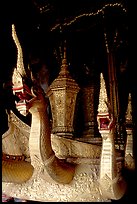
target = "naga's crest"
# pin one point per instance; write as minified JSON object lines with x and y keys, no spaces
{"x":25,"y":88}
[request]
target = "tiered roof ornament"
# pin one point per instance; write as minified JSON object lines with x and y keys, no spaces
{"x":62,"y":95}
{"x":102,"y":107}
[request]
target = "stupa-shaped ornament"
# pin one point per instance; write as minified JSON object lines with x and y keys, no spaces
{"x":62,"y":95}
{"x":129,"y":157}
{"x":19,"y":88}
{"x":103,"y":116}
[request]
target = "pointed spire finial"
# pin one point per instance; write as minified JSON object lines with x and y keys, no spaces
{"x":102,"y":107}
{"x":64,"y":60}
{"x":129,"y":110}
{"x":64,"y":66}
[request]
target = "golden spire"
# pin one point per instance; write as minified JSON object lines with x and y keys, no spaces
{"x":64,"y":67}
{"x":102,"y":107}
{"x":129,"y":110}
{"x":64,"y":61}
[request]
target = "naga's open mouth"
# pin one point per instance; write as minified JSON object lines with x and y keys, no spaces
{"x":22,"y":97}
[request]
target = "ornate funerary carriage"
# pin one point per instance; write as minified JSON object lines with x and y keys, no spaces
{"x":44,"y":161}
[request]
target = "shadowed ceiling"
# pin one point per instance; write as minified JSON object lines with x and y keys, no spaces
{"x":42,"y":27}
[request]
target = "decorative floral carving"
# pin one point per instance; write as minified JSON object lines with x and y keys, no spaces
{"x":84,"y":187}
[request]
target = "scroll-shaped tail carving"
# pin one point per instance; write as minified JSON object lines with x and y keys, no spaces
{"x":14,"y":167}
{"x":112,"y":184}
{"x":40,"y":141}
{"x":15,"y":171}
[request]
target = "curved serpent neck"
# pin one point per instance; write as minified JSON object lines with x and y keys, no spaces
{"x":111,"y":181}
{"x":40,"y":145}
{"x":108,"y":157}
{"x":39,"y":142}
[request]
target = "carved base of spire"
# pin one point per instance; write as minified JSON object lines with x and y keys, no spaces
{"x":65,"y":135}
{"x":129,"y":159}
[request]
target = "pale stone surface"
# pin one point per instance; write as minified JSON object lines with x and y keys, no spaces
{"x":83,"y":188}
